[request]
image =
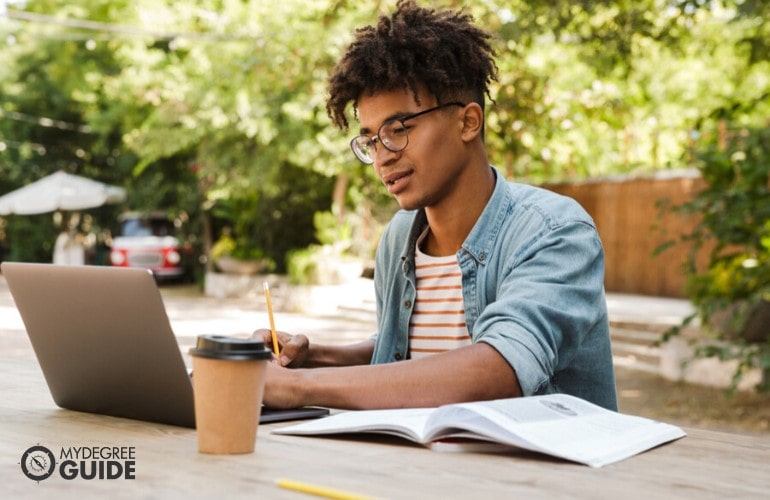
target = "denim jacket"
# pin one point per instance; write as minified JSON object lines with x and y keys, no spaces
{"x":533,"y":286}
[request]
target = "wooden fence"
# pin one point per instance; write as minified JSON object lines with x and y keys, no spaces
{"x":628,"y":216}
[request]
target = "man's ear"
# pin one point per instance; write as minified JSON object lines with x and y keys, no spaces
{"x":473,"y":122}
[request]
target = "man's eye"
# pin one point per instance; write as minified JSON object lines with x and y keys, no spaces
{"x":398,"y":129}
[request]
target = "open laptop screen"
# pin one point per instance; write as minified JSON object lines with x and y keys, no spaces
{"x":105,"y":344}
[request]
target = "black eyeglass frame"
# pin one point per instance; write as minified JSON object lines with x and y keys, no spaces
{"x":371,"y":143}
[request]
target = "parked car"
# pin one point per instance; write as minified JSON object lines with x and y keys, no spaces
{"x":148,"y":240}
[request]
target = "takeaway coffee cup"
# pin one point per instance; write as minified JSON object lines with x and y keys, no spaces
{"x":228,"y":384}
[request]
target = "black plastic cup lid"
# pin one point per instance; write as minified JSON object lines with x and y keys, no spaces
{"x":230,"y":348}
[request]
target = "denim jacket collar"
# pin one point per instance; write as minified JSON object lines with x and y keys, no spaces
{"x":480,"y":241}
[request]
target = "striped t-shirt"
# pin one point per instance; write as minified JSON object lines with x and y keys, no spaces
{"x":438,"y":319}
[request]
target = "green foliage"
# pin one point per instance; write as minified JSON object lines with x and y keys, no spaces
{"x":37,"y":232}
{"x":302,"y":264}
{"x":729,"y":142}
{"x":732,"y":293}
{"x":598,"y":88}
{"x":226,"y":246}
{"x":57,"y":113}
{"x":335,"y":240}
{"x":275,"y":216}
{"x":337,"y":243}
{"x":218,"y":107}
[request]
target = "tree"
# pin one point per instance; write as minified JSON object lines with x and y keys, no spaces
{"x":47,"y":93}
{"x":218,"y":106}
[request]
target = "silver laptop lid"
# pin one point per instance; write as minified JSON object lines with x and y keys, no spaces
{"x":103,"y":340}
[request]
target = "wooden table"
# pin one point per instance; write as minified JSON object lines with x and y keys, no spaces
{"x":705,"y":464}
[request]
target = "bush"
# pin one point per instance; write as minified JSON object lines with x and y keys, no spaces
{"x":732,"y":294}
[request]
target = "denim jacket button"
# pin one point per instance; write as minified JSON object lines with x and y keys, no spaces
{"x":398,"y":356}
{"x":407,"y":304}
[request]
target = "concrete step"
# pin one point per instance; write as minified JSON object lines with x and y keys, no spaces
{"x":634,"y":345}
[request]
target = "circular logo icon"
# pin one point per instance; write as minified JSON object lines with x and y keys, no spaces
{"x":38,"y":463}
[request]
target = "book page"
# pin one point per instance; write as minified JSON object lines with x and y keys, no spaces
{"x":506,"y":413}
{"x":558,"y":425}
{"x":406,"y":423}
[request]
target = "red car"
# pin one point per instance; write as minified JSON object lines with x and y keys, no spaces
{"x":148,"y":241}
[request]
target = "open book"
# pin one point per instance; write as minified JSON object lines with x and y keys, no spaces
{"x":557,"y":424}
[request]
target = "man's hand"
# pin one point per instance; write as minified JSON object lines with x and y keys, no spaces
{"x":283,"y":387}
{"x":293,"y":349}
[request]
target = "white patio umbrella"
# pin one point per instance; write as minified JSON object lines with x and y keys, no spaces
{"x":59,"y":191}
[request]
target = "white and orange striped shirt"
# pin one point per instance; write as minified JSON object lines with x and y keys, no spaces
{"x":438,"y":319}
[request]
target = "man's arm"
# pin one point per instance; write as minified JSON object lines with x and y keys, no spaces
{"x":476,"y":372}
{"x":327,"y":355}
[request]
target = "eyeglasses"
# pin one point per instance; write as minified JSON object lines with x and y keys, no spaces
{"x":392,"y":134}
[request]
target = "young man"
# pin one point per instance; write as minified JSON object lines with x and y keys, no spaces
{"x":485,"y":289}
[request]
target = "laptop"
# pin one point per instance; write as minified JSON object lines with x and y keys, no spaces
{"x":105,"y":344}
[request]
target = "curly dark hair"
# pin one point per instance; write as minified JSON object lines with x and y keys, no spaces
{"x":441,"y":51}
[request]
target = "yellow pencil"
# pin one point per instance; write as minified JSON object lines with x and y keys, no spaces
{"x":272,"y":321}
{"x":319,"y":491}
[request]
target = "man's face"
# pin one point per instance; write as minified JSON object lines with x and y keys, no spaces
{"x":426,"y":172}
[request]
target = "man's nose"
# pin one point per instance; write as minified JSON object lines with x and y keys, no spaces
{"x":383,"y":156}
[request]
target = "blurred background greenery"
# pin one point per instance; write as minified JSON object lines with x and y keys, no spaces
{"x":214,"y":110}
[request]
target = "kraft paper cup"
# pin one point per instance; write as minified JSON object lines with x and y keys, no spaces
{"x":228,"y":384}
